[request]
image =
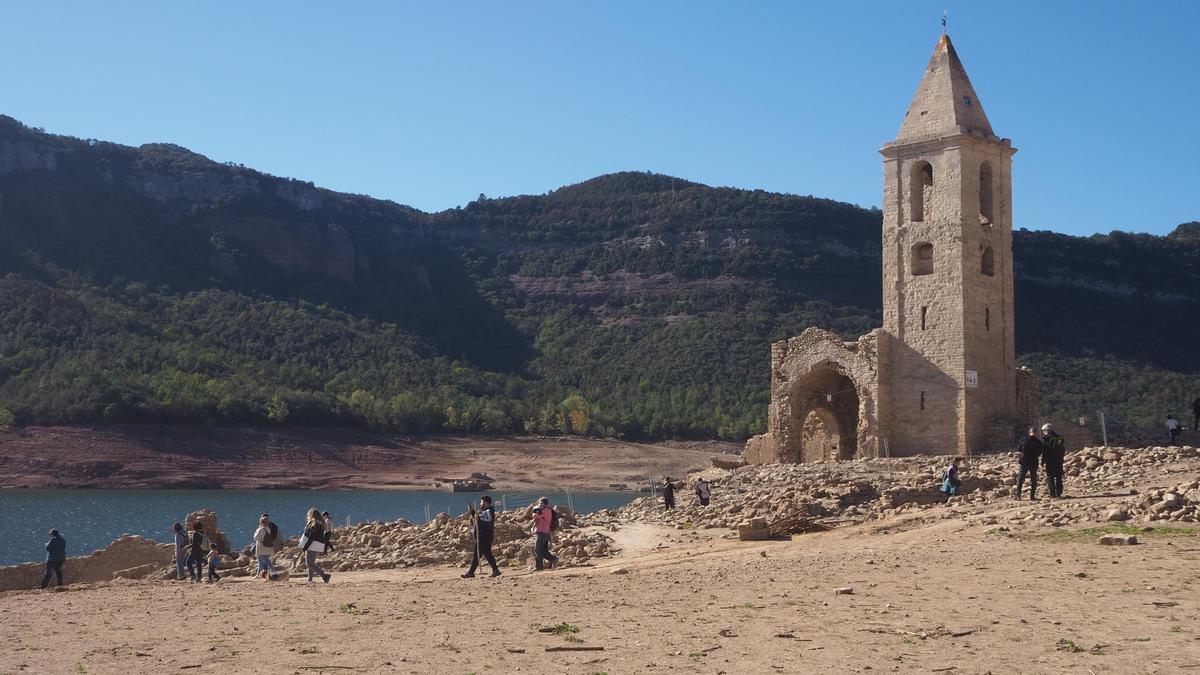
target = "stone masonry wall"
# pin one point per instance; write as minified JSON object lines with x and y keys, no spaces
{"x":924,"y":312}
{"x":126,"y":552}
{"x":803,"y":370}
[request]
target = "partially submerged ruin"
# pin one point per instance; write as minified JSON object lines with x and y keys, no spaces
{"x":940,"y":376}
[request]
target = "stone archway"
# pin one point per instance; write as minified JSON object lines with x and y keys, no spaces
{"x":824,"y":405}
{"x":817,"y":372}
{"x":821,"y":436}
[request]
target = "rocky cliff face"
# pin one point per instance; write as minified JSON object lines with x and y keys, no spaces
{"x":188,"y":190}
{"x":25,"y":155}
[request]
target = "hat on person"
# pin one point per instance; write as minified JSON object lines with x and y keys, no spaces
{"x":1047,"y":427}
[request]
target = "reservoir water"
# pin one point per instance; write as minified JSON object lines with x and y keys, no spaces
{"x":91,"y":519}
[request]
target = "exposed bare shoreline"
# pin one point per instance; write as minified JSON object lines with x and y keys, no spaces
{"x":143,"y":457}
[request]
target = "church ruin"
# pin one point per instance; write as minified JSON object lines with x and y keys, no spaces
{"x":940,"y":376}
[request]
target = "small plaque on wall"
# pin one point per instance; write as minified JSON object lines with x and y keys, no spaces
{"x":972,"y":379}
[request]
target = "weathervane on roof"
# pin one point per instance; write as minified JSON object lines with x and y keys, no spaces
{"x":945,"y":14}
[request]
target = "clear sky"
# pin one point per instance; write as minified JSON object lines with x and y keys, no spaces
{"x":433,"y":103}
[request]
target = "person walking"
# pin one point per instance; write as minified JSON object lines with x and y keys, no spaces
{"x":313,"y":543}
{"x":181,"y":542}
{"x":1054,"y":452}
{"x":214,"y":561}
{"x":483,"y":526}
{"x":328,"y":531}
{"x":197,"y":549}
{"x":1174,"y":429}
{"x":951,"y":483}
{"x":668,"y":495}
{"x":543,"y":517}
{"x":1030,"y":448}
{"x":1196,"y":414}
{"x":703,"y":491}
{"x":264,"y":545}
{"x":56,"y":556}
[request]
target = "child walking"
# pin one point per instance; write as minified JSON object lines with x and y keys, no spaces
{"x":214,"y":560}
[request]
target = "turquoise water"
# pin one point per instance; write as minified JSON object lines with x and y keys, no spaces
{"x":91,"y":519}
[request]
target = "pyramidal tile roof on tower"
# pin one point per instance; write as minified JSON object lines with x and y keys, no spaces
{"x":945,"y":103}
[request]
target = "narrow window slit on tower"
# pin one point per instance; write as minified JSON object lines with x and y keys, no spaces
{"x":987,"y":318}
{"x":922,"y":400}
{"x":920,"y":187}
{"x":924,"y":313}
{"x":986,"y":216}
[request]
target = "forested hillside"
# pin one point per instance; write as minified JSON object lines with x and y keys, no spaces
{"x":152,"y":284}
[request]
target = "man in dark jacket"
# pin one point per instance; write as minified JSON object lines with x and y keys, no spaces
{"x":56,"y":555}
{"x":1054,"y":451}
{"x":669,"y":495}
{"x":197,"y":552}
{"x":485,"y":529}
{"x":1030,"y":448}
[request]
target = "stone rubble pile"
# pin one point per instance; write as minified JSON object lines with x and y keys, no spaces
{"x":1179,"y":504}
{"x":1133,"y":484}
{"x":857,"y":490}
{"x":447,"y":540}
{"x":871,"y":490}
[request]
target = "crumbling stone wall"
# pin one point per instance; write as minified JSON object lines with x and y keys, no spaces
{"x":126,"y":552}
{"x":1029,"y":396}
{"x":818,"y":371}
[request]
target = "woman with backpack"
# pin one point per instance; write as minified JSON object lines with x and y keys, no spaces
{"x":266,"y":539}
{"x":313,"y":543}
{"x":545,"y":521}
{"x":197,"y":550}
{"x":951,"y":483}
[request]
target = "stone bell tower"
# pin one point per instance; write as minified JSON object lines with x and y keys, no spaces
{"x":949,"y":381}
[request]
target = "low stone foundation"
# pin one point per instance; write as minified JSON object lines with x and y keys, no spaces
{"x":128,"y":551}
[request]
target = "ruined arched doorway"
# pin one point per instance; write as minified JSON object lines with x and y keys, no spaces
{"x":824,"y":411}
{"x":821,"y":436}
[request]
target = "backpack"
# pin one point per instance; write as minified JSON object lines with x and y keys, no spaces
{"x":272,"y":535}
{"x":948,"y":485}
{"x":553,"y":520}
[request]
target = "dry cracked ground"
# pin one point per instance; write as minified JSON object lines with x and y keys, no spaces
{"x":928,"y":595}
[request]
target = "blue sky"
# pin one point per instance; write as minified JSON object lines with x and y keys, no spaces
{"x":430,"y":104}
